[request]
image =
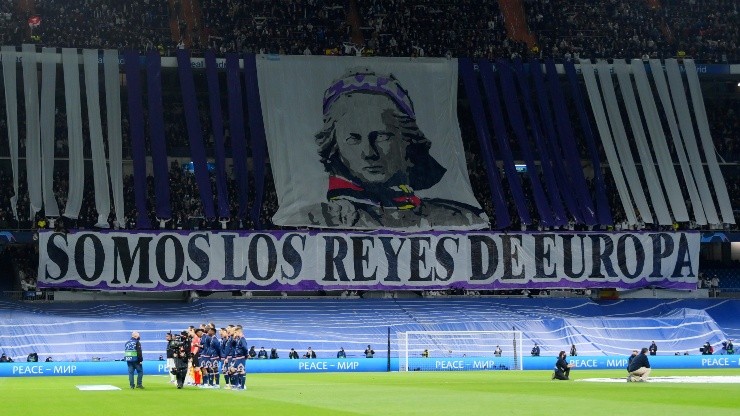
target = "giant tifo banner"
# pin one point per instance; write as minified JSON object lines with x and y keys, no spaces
{"x":359,"y":143}
{"x":362,"y":261}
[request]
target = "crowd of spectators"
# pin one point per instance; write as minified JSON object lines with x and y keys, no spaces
{"x":292,"y":27}
{"x":25,"y":263}
{"x":107,"y":24}
{"x":601,"y":29}
{"x":705,"y":30}
{"x":437,"y":28}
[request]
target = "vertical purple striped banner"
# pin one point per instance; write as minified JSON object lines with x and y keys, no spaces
{"x":217,"y":123}
{"x":552,"y":143}
{"x":518,"y":124}
{"x":136,"y":125}
{"x":502,"y":138}
{"x":499,"y":124}
{"x":256,"y":136}
{"x":236,"y":126}
{"x":157,"y":135}
{"x":503,"y":219}
{"x":195,"y":133}
{"x":568,"y":144}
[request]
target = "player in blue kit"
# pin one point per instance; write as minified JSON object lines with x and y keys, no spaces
{"x":205,"y":356}
{"x":215,"y":354}
{"x":241,"y":349}
{"x":226,"y":354}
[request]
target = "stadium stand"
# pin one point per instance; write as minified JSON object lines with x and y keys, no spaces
{"x":565,"y":30}
{"x":81,"y":331}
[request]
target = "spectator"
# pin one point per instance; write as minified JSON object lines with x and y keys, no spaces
{"x":497,"y":351}
{"x":729,"y":347}
{"x":274,"y":354}
{"x":653,"y":348}
{"x":262,"y":354}
{"x":341,"y":353}
{"x":309,"y":354}
{"x":369,"y":352}
{"x":535,"y":350}
{"x":714,"y":285}
{"x":293,"y":354}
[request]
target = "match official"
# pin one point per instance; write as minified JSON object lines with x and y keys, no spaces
{"x":134,"y":358}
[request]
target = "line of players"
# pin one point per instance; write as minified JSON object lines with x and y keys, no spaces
{"x":208,"y":356}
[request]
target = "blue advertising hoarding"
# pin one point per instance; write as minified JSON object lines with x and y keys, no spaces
{"x":333,"y":365}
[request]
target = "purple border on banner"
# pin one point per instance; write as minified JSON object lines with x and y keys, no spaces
{"x":314,"y":260}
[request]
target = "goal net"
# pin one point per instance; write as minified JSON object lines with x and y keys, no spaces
{"x":459,"y":350}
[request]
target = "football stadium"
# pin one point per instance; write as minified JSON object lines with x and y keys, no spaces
{"x":369,"y":207}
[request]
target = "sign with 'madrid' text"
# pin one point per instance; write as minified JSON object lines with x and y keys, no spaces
{"x":361,"y":261}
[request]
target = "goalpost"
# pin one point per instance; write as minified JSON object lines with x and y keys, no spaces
{"x":459,"y":350}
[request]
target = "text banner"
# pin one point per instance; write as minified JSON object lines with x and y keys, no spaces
{"x":366,"y":261}
{"x":372,"y":365}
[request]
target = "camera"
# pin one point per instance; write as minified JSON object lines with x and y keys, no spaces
{"x":179,"y":345}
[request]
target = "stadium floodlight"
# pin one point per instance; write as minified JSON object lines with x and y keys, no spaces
{"x":459,"y":350}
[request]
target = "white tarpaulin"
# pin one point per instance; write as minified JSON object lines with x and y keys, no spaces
{"x":366,"y":143}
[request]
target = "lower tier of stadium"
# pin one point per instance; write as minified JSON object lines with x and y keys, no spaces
{"x":86,"y":331}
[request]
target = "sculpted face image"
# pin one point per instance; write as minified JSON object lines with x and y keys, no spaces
{"x":354,"y":150}
{"x":369,"y":142}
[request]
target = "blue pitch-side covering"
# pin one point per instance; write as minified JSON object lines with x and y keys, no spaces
{"x":81,"y":331}
{"x":334,"y":365}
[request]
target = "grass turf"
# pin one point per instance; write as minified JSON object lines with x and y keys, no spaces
{"x":427,"y":394}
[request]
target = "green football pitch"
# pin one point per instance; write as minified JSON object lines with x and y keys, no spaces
{"x":420,"y":393}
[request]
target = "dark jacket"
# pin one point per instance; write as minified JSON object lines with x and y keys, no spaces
{"x":561,"y":365}
{"x":132,"y":351}
{"x":641,"y":360}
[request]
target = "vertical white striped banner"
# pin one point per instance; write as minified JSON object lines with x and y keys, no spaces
{"x":100,"y":166}
{"x":658,"y":143}
{"x":638,"y":133}
{"x":718,"y":181}
{"x":594,"y":98}
{"x":47,"y":122}
{"x":689,"y":138}
{"x":622,"y":143}
{"x":33,"y":143}
{"x":115,"y":141}
{"x":70,"y":64}
{"x":656,"y":69}
{"x":9,"y":56}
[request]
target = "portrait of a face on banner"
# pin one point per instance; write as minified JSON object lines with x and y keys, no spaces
{"x":366,"y":144}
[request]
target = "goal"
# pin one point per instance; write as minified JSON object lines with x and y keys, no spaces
{"x":459,"y":350}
